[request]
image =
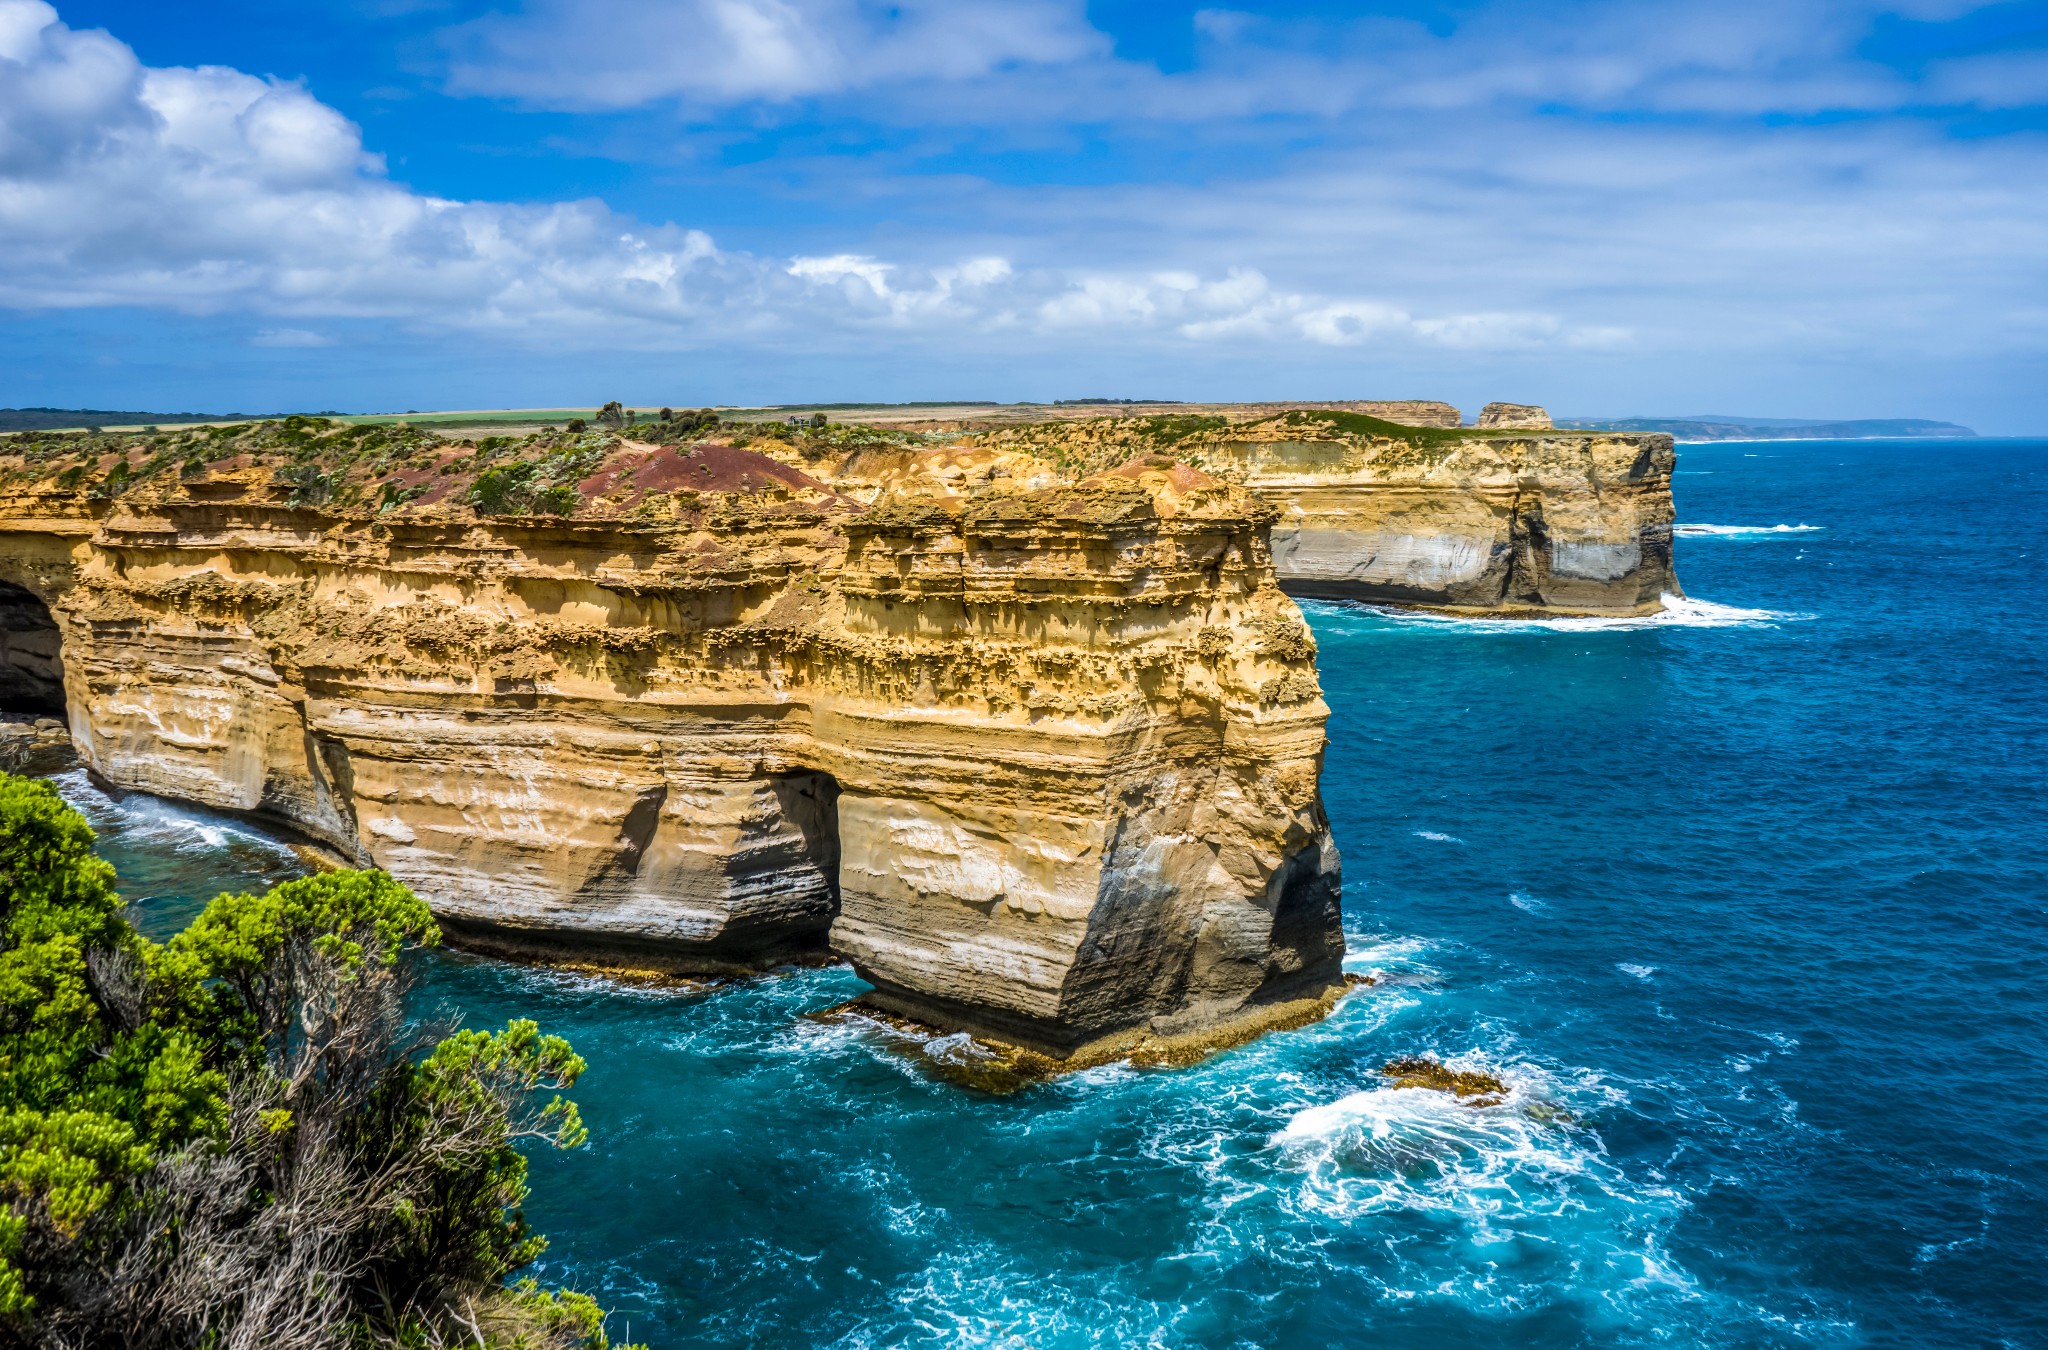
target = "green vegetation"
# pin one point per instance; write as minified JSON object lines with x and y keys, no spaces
{"x":1374,"y":428}
{"x":544,"y":486}
{"x":232,"y":1138}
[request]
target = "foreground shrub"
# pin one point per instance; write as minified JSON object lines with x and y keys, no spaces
{"x":233,"y":1138}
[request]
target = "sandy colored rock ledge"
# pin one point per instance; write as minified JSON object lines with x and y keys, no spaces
{"x":1044,"y":754}
{"x":1502,"y":519}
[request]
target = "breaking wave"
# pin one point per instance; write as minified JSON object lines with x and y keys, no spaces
{"x":151,"y":822}
{"x":1739,"y":531}
{"x":1679,"y":612}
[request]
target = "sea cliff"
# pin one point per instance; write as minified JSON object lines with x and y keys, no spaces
{"x":1510,"y":516}
{"x":1039,"y":758}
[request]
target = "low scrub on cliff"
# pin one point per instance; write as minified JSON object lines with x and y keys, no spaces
{"x":1097,"y":444}
{"x":233,"y":1139}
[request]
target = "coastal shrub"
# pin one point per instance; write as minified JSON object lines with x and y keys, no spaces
{"x":689,"y":422}
{"x":236,"y":1137}
{"x":544,"y":486}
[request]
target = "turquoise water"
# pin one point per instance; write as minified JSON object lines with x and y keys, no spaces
{"x":1748,"y":904}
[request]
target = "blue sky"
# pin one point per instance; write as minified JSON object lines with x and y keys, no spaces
{"x":1789,"y":208}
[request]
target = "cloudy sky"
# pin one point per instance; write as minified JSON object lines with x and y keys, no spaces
{"x":1770,"y":207}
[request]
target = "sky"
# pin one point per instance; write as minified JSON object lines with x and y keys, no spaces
{"x":1782,"y":208}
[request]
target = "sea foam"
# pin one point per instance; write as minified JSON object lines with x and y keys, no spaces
{"x":1679,"y":611}
{"x":162,"y":824}
{"x":1740,"y":531}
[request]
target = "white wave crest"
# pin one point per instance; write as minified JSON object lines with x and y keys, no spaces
{"x":1437,"y":838}
{"x":1527,"y":903}
{"x":1740,"y":531}
{"x":1381,"y":955}
{"x":1416,"y":1149}
{"x":152,"y":820}
{"x":1679,"y":612}
{"x":1637,"y":971}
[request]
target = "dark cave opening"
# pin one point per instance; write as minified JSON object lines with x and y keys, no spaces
{"x":31,"y":659}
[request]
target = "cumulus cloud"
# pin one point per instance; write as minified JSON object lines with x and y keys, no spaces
{"x":209,"y":189}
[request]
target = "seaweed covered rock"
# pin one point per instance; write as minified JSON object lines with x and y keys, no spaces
{"x":1419,"y":1071}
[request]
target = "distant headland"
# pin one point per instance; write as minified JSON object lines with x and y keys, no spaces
{"x":1710,"y":428}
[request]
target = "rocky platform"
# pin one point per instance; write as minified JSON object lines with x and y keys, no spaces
{"x":1039,"y":758}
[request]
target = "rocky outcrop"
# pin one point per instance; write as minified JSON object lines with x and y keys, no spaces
{"x":1040,"y":760}
{"x":1478,"y":520}
{"x":1513,"y":417}
{"x":1556,"y":523}
{"x":1409,"y":412}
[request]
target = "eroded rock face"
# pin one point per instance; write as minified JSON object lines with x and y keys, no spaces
{"x":1564,"y":522}
{"x":1041,"y":761}
{"x":1483,"y":520}
{"x":1513,"y":417}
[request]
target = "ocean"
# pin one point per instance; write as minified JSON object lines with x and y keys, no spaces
{"x":1746,"y":903}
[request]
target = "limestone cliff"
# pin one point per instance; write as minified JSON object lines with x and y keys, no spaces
{"x":1039,"y":758}
{"x":1494,"y":519}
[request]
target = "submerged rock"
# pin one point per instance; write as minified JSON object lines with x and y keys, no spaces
{"x":990,"y":1064}
{"x":1419,"y":1071}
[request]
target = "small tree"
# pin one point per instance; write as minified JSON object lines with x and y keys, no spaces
{"x":233,"y":1139}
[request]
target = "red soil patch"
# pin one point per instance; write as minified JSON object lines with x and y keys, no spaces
{"x":696,"y":468}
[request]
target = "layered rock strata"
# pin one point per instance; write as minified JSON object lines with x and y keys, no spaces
{"x":1558,"y":523}
{"x":1041,"y":762}
{"x":1512,"y":417}
{"x":1487,"y":520}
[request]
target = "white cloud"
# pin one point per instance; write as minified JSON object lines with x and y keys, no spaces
{"x":1444,"y":239}
{"x":619,"y":53}
{"x":290,"y":337}
{"x":209,"y":189}
{"x":1012,"y":63}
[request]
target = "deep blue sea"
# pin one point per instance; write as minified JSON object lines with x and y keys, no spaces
{"x":1748,"y":903}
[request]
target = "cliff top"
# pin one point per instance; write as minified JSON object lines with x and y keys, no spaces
{"x":627,"y":470}
{"x":618,"y":465}
{"x":1205,"y":440}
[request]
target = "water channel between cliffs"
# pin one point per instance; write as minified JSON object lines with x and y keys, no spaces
{"x":1710,"y":892}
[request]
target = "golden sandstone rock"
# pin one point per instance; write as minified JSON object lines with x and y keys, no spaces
{"x":1485,"y":520}
{"x":1038,"y":756}
{"x":1014,"y":715}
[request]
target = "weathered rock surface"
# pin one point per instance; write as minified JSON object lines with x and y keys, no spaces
{"x":34,"y":745}
{"x":1513,"y":417}
{"x":1481,"y":520}
{"x":1041,"y":761}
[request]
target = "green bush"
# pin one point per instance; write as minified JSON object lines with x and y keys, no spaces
{"x":546,"y":486}
{"x":231,"y":1138}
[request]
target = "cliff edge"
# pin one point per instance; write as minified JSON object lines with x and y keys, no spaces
{"x":1039,"y":758}
{"x":1507,"y":517}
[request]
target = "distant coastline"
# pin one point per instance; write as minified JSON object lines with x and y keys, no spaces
{"x":1703,"y":429}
